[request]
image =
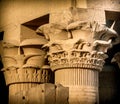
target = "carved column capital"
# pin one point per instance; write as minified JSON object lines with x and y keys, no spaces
{"x":76,"y":52}
{"x":23,"y":61}
{"x":84,"y":47}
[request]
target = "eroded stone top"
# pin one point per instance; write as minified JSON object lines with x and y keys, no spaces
{"x":75,"y":37}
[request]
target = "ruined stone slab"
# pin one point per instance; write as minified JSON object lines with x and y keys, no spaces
{"x":42,"y":94}
{"x":62,"y":94}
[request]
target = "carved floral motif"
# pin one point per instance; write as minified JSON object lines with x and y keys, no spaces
{"x":76,"y":51}
{"x":23,"y":62}
{"x":78,"y":48}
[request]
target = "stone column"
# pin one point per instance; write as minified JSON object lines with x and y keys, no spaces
{"x":76,"y":53}
{"x":24,"y":67}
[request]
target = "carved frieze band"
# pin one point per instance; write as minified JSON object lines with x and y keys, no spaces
{"x":27,"y":75}
{"x":78,"y":59}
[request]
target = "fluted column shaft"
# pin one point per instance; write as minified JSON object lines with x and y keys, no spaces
{"x":82,"y":83}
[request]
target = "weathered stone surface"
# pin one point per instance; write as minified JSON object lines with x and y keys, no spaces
{"x":104,"y":4}
{"x":82,"y":47}
{"x":45,"y":94}
{"x":78,"y":59}
{"x":76,"y":44}
{"x":70,"y":15}
{"x":62,"y":94}
{"x":23,"y":61}
{"x":40,"y":94}
{"x":18,"y":93}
